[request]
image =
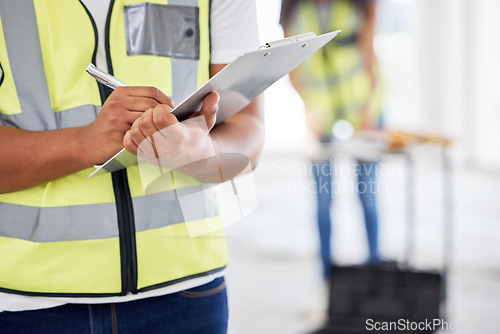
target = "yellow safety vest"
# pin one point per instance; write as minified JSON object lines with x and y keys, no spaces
{"x":101,"y":236}
{"x":335,"y":83}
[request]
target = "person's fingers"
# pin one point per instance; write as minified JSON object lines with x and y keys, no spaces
{"x":136,"y":134}
{"x":163,"y":118}
{"x":134,"y":103}
{"x":150,"y":92}
{"x":146,"y":124}
{"x":131,"y":116}
{"x":129,"y":144}
{"x":209,"y":109}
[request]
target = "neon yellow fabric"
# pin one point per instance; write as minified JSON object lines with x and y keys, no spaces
{"x":143,"y":176}
{"x":75,"y":189}
{"x":336,"y":84}
{"x":172,"y":244}
{"x":87,"y":266}
{"x":8,"y":94}
{"x":65,"y":66}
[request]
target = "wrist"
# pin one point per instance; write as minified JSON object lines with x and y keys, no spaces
{"x":84,"y":146}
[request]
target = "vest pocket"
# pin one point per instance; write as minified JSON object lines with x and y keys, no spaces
{"x":162,"y":30}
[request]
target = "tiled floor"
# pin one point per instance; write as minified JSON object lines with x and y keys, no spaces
{"x":273,"y":275}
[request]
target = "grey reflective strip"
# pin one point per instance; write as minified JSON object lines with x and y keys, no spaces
{"x":184,"y":71}
{"x":154,"y":212}
{"x":88,"y":222}
{"x":74,"y":117}
{"x":28,"y":71}
{"x":155,"y":191}
{"x":82,"y":222}
{"x":184,"y":78}
{"x":191,"y":3}
{"x":160,"y":30}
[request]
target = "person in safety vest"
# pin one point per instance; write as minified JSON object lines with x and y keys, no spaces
{"x":340,"y":88}
{"x":88,"y":255}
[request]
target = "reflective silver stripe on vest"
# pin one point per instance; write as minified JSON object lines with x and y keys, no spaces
{"x":28,"y":71}
{"x":81,"y":222}
{"x":191,"y":3}
{"x":184,"y":71}
{"x":88,"y":222}
{"x":147,"y":24}
{"x":74,"y":117}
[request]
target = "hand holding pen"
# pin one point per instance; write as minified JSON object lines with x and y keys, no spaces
{"x":120,"y":110}
{"x":103,"y":77}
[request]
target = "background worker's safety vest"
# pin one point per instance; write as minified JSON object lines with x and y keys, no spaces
{"x":100,"y":236}
{"x":335,"y":82}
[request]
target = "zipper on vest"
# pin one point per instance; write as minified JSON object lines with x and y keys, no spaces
{"x":123,"y":198}
{"x":124,"y":206}
{"x":126,"y":229}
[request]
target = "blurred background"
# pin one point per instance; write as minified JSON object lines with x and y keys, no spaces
{"x":439,"y":60}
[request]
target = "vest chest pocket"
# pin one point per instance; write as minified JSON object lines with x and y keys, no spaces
{"x":162,"y":30}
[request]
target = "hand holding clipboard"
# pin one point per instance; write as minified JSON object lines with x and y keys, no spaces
{"x":238,"y":83}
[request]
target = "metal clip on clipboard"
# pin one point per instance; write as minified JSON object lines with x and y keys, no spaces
{"x":288,"y":40}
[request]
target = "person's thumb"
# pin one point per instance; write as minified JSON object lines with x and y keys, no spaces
{"x":209,"y":109}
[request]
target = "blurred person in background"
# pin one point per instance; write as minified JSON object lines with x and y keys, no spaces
{"x":340,"y":87}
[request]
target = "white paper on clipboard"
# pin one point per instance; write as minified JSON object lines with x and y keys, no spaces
{"x":239,"y":83}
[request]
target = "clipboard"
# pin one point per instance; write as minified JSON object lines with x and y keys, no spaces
{"x":239,"y":83}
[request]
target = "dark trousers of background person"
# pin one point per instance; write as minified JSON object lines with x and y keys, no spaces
{"x":201,"y":310}
{"x":323,"y":174}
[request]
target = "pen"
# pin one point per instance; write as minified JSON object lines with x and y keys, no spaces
{"x":103,"y":77}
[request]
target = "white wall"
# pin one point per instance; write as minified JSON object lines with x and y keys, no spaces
{"x":484,"y":86}
{"x":285,"y":120}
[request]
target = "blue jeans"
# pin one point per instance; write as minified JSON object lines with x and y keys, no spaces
{"x":199,"y":310}
{"x":366,"y":187}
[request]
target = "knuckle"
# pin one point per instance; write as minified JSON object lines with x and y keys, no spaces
{"x":169,"y":101}
{"x":111,"y":103}
{"x":153,"y":91}
{"x":135,"y":131}
{"x":143,"y":122}
{"x":162,"y":118}
{"x":162,"y":109}
{"x":127,"y":140}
